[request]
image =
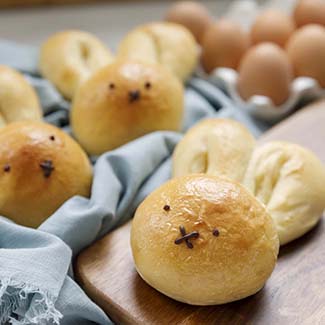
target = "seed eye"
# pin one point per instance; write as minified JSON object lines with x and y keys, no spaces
{"x":166,"y":207}
{"x":111,"y":85}
{"x":52,"y":137}
{"x":6,"y":168}
{"x":147,"y":85}
{"x":215,"y":232}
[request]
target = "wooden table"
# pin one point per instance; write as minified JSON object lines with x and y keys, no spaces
{"x":295,"y":293}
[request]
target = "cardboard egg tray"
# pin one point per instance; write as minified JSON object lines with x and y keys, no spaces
{"x":262,"y":107}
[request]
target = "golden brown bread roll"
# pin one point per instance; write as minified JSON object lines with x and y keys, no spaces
{"x":123,"y":101}
{"x":231,"y":246}
{"x":18,"y":99}
{"x":289,"y":180}
{"x":169,"y":44}
{"x":68,"y":58}
{"x":40,"y":168}
{"x":191,"y":14}
{"x":220,"y":147}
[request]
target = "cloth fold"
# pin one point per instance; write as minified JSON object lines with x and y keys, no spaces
{"x":36,"y":282}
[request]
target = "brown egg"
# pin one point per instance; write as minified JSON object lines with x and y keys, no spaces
{"x":223,"y":45}
{"x":309,"y":12}
{"x":272,"y":26}
{"x":191,"y":14}
{"x":265,"y":70}
{"x":306,"y":50}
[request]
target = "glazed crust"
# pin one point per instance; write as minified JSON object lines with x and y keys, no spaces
{"x":40,"y":168}
{"x":289,"y":180}
{"x":123,"y":101}
{"x":218,"y":269}
{"x":70,"y":57}
{"x":168,"y":44}
{"x":18,"y":99}
{"x":220,"y":147}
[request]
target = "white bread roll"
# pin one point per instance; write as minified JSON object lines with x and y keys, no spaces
{"x":232,"y":243}
{"x":220,"y":147}
{"x":124,"y":101}
{"x":169,"y":44}
{"x":40,"y":168}
{"x":289,"y":180}
{"x":70,"y":57}
{"x":18,"y":99}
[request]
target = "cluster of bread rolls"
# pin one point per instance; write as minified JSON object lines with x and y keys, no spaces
{"x":211,"y":235}
{"x":115,"y":100}
{"x":286,"y":177}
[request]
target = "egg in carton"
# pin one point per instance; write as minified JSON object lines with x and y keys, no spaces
{"x":264,"y":85}
{"x":262,"y":107}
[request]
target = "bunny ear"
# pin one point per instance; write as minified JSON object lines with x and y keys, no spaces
{"x":289,"y":180}
{"x":216,"y":146}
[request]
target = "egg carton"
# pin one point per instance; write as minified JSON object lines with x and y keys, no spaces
{"x":262,"y":107}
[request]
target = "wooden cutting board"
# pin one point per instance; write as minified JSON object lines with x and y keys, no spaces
{"x":295,"y":293}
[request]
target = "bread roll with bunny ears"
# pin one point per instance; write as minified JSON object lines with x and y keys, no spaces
{"x":123,"y":101}
{"x":70,"y":57}
{"x":40,"y":168}
{"x":214,"y":146}
{"x":168,"y":44}
{"x":204,"y":240}
{"x":18,"y":99}
{"x":289,"y":180}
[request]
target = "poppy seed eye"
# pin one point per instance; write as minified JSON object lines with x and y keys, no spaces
{"x":147,"y":85}
{"x":111,"y":85}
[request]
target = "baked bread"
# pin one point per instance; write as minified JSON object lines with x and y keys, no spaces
{"x":169,"y":44}
{"x":215,"y":146}
{"x":40,"y":168}
{"x":124,"y":101}
{"x":289,"y":180}
{"x":68,"y":58}
{"x":203,"y":240}
{"x":191,"y":14}
{"x":18,"y":99}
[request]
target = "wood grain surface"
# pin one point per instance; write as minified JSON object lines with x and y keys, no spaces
{"x":295,"y":293}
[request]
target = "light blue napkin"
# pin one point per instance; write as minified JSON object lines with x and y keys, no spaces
{"x":36,"y":277}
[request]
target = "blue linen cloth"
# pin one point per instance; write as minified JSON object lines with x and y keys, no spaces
{"x":36,"y":276}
